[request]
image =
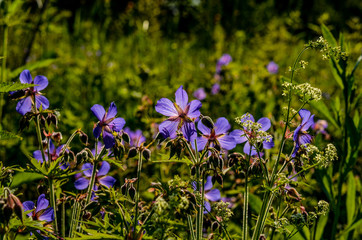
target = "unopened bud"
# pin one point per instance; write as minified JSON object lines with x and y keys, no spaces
{"x":207,"y":121}
{"x":132,"y":152}
{"x":87,"y":215}
{"x":42,"y":121}
{"x":214,"y":226}
{"x":125,"y":137}
{"x":132,"y":192}
{"x":57,"y":136}
{"x":262,"y":237}
{"x":52,"y":119}
{"x":83,"y":138}
{"x":146,"y":154}
{"x":124,"y":189}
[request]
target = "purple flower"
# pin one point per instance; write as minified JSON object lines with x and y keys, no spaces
{"x":217,"y":136}
{"x":210,"y":194}
{"x":54,"y":154}
{"x":320,"y":126}
{"x":200,"y":94}
{"x":41,"y":212}
{"x":101,"y":178}
{"x":25,"y":104}
{"x":272,"y":67}
{"x":244,"y":135}
{"x":181,"y":115}
{"x":301,"y":136}
{"x":215,"y":89}
{"x":107,"y":123}
{"x":136,"y":137}
{"x":223,"y":61}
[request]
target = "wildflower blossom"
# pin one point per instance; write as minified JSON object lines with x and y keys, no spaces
{"x":217,"y":136}
{"x":32,"y":94}
{"x":41,"y":211}
{"x":320,"y":126}
{"x":108,"y":123}
{"x":181,"y":114}
{"x":224,"y":60}
{"x":210,"y":194}
{"x":301,"y":136}
{"x":101,"y":178}
{"x":200,"y":94}
{"x":253,"y":133}
{"x":136,"y":137}
{"x":54,"y":154}
{"x":215,"y":89}
{"x":272,"y":67}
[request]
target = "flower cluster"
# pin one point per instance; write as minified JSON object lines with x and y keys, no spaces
{"x":327,"y":156}
{"x":327,"y":50}
{"x":305,"y":91}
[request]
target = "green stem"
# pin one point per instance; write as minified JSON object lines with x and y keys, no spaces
{"x":63,"y":219}
{"x":38,"y":133}
{"x":189,"y":221}
{"x":201,"y":210}
{"x":139,"y":168}
{"x":246,"y":200}
{"x":53,"y":204}
{"x":3,"y":68}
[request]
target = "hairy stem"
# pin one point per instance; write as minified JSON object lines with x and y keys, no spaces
{"x":139,"y":168}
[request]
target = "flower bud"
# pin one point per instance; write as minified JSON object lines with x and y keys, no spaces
{"x":215,"y":226}
{"x":146,"y":154}
{"x":8,"y":211}
{"x":83,"y":138}
{"x":44,"y":144}
{"x":132,"y":152}
{"x":87,"y":215}
{"x":262,"y":237}
{"x":52,"y":119}
{"x":84,"y":154}
{"x":218,"y":179}
{"x":292,"y":193}
{"x":14,"y":203}
{"x":42,"y":121}
{"x":207,"y":121}
{"x":125,"y":137}
{"x":124,"y":189}
{"x":57,"y":136}
{"x":79,"y":157}
{"x":132,"y":192}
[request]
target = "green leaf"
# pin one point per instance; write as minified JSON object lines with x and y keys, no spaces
{"x":351,"y":198}
{"x":336,"y":71}
{"x":5,"y":135}
{"x":25,"y":177}
{"x":320,"y":226}
{"x":323,"y":109}
{"x":255,"y":202}
{"x":328,"y":36}
{"x":32,"y":66}
{"x":351,"y":227}
{"x":6,"y":87}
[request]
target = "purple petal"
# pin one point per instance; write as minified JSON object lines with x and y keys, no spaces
{"x":304,"y":139}
{"x":304,"y":114}
{"x":215,"y":88}
{"x":296,"y":133}
{"x":189,"y":131}
{"x":193,"y":111}
{"x":41,"y":81}
{"x":117,"y":124}
{"x":265,"y":123}
{"x":237,"y":134}
{"x":108,"y":139}
{"x":181,"y":98}
{"x":41,"y":101}
{"x":247,"y":149}
{"x":168,"y":128}
{"x":208,"y":184}
{"x":201,"y":143}
{"x":112,"y":111}
{"x":28,"y":205}
{"x":47,"y":215}
{"x":98,"y":111}
{"x":166,"y":107}
{"x":42,"y":203}
{"x":203,"y":129}
{"x":213,"y":195}
{"x":87,"y":169}
{"x":308,"y":123}
{"x":24,"y":106}
{"x":200,"y":94}
{"x":207,"y":207}
{"x":97,"y":131}
{"x":81,"y":183}
{"x":268,"y":145}
{"x":107,"y":181}
{"x":272,"y":67}
{"x":221,"y":126}
{"x":38,"y":156}
{"x":227,"y":142}
{"x":25,"y":77}
{"x":59,"y":149}
{"x":51,"y":147}
{"x":104,"y":169}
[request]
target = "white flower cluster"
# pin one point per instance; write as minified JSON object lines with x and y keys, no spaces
{"x":322,"y":207}
{"x":327,"y":156}
{"x":253,"y":130}
{"x":303,"y":64}
{"x":327,"y":50}
{"x":160,"y":206}
{"x":305,"y":91}
{"x":222,"y":210}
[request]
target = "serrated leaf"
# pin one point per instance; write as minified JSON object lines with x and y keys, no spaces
{"x":6,"y":87}
{"x":5,"y":135}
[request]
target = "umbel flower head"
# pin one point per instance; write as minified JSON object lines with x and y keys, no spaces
{"x":31,"y":94}
{"x":108,"y":123}
{"x":217,"y":136}
{"x":181,"y":115}
{"x":301,"y":135}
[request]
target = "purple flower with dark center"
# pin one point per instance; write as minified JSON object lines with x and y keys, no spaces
{"x":244,"y":135}
{"x":32,"y":93}
{"x":223,"y":61}
{"x":41,"y":212}
{"x":301,"y":136}
{"x":210,"y":194}
{"x":54,"y":154}
{"x":216,"y":137}
{"x":108,"y":123}
{"x":215,"y":89}
{"x":272,"y":67}
{"x":101,"y":178}
{"x":136,"y":137}
{"x":200,"y":94}
{"x":181,"y":115}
